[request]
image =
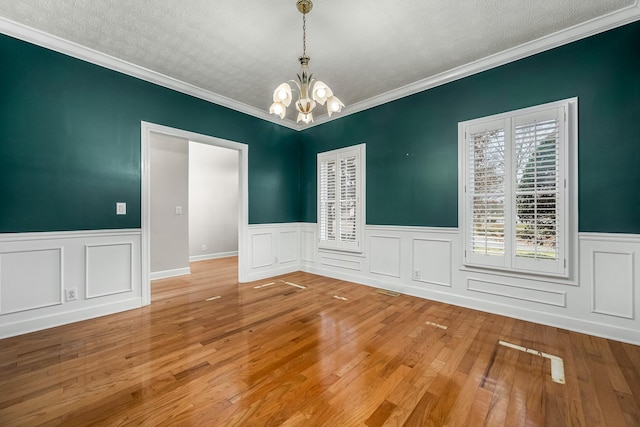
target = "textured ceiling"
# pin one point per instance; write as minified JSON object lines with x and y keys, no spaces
{"x":242,"y":50}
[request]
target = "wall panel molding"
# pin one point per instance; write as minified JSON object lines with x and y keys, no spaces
{"x":339,"y":262}
{"x":608,"y":273}
{"x":31,"y":279}
{"x":108,"y":269}
{"x":308,"y":246}
{"x":102,"y":266}
{"x":385,"y":255}
{"x":524,"y":293}
{"x":432,"y":261}
{"x":261,"y":250}
{"x":613,"y":276}
{"x":289,"y":250}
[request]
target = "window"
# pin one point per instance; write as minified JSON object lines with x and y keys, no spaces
{"x":516,"y":185}
{"x":341,"y":217}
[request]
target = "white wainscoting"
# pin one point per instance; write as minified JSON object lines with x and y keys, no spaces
{"x":36,"y":270}
{"x":427,"y":262}
{"x":274,"y":249}
{"x":104,"y":268}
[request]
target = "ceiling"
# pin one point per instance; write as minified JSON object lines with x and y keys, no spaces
{"x":235,"y":52}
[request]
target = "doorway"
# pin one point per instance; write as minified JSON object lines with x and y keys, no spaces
{"x":150,"y":129}
{"x":213,"y":202}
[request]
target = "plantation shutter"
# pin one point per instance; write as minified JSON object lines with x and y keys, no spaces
{"x":348,"y":199}
{"x":538,"y":190}
{"x":340,"y":204}
{"x":486,"y":193}
{"x":515,"y":190}
{"x":327,"y":217}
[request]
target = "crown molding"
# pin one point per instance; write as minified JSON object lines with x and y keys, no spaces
{"x":577,"y":32}
{"x":75,"y":50}
{"x":586,"y":29}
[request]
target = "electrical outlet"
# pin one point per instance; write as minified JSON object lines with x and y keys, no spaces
{"x":275,"y":260}
{"x":71,"y":294}
{"x":204,"y":248}
{"x":416,"y":274}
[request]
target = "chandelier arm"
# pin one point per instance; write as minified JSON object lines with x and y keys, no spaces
{"x":297,"y":85}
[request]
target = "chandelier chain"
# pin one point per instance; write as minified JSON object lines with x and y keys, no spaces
{"x":304,"y":34}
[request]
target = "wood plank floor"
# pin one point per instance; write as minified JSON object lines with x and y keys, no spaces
{"x":281,"y":355}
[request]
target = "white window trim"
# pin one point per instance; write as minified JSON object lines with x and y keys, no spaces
{"x":356,"y":247}
{"x":570,"y":198}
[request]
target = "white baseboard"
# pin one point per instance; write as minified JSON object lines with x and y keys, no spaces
{"x":58,"y":319}
{"x":156,"y":275}
{"x":212,"y":256}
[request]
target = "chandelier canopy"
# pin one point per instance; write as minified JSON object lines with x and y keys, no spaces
{"x":310,"y":91}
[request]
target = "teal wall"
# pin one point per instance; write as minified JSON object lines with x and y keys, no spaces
{"x":412,"y":145}
{"x":70,"y":139}
{"x":70,"y":144}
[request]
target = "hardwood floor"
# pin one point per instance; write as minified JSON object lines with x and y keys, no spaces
{"x":331,"y":354}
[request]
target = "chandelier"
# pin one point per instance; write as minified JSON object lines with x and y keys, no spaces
{"x":310,"y":90}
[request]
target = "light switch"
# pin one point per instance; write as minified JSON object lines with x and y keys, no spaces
{"x":121,"y":208}
{"x":178,"y":210}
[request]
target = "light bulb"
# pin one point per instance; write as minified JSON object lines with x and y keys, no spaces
{"x":282,"y":94}
{"x":279,"y":109}
{"x":334,"y":105}
{"x":321,"y":92}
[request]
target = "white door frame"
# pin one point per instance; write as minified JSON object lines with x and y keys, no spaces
{"x":243,"y":200}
